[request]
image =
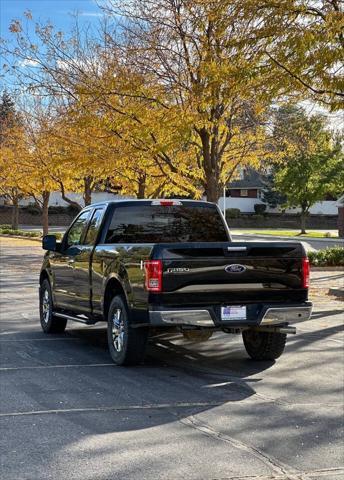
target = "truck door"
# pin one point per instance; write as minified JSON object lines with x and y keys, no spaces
{"x":82,"y":265}
{"x":62,"y":263}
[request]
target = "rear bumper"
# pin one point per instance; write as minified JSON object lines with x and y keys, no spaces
{"x":196,"y":318}
{"x":209,"y":317}
{"x":278,"y":315}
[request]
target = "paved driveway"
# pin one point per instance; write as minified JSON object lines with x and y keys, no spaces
{"x":191,"y":412}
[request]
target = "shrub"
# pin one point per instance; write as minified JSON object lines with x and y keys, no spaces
{"x":233,"y":213}
{"x":32,"y":209}
{"x":72,"y":210}
{"x":57,"y":209}
{"x":329,"y":257}
{"x":20,"y":233}
{"x":5,"y":226}
{"x":9,"y":231}
{"x":259,"y":208}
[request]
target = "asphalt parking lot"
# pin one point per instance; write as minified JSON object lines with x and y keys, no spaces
{"x":195,"y":412}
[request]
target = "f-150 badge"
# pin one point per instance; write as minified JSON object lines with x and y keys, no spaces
{"x":178,"y":270}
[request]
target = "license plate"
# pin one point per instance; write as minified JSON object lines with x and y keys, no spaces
{"x":233,"y":313}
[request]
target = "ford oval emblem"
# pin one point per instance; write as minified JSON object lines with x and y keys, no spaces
{"x":235,"y":268}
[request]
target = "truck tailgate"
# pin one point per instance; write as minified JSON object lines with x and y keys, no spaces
{"x":231,"y":273}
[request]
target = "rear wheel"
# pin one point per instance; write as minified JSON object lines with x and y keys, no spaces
{"x":264,"y":345}
{"x":126,"y":344}
{"x":49,"y":323}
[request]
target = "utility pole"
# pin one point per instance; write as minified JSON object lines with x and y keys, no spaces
{"x":224,"y":199}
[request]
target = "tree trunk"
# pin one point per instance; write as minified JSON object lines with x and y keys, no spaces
{"x":15,"y":213}
{"x":87,"y":191}
{"x":68,"y":200}
{"x":210,"y":166}
{"x":142,"y":186}
{"x":45,"y":212}
{"x":212,"y":190}
{"x":303,"y":216}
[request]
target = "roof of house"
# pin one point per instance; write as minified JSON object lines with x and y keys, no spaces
{"x":252,"y":179}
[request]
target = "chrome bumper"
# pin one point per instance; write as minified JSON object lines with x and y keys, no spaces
{"x":197,"y":318}
{"x":277,"y":315}
{"x":202,"y":318}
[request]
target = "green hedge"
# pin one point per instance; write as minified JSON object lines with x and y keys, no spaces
{"x":329,"y":257}
{"x":259,"y":208}
{"x":20,"y":233}
{"x":32,"y":209}
{"x":233,"y":213}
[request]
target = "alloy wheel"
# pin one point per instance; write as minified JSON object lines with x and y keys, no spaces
{"x":118,"y":330}
{"x":46,"y":306}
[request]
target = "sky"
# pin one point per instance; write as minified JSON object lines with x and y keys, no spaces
{"x":57,"y":11}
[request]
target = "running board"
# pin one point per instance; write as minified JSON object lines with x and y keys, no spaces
{"x":85,"y":321}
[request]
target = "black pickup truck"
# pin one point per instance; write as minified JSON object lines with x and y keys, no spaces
{"x":142,"y":265}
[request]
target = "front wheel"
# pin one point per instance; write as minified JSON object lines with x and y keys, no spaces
{"x":264,"y":345}
{"x":126,"y":344}
{"x":49,"y":323}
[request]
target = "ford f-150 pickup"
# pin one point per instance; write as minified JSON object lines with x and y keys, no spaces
{"x":151,"y":264}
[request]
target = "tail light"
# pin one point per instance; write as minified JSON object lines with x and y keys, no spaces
{"x":305,"y":273}
{"x":153,"y":271}
{"x":166,"y":203}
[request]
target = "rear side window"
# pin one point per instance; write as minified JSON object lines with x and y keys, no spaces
{"x":166,"y":224}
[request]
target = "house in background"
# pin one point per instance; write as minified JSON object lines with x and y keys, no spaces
{"x":247,"y":191}
{"x":250,"y":185}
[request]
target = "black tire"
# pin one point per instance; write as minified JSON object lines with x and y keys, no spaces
{"x":126,"y":344}
{"x":49,"y":323}
{"x":264,"y":345}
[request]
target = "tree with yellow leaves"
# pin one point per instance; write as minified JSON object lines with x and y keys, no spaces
{"x":180,"y":89}
{"x":183,"y":92}
{"x":195,"y":86}
{"x":13,"y":149}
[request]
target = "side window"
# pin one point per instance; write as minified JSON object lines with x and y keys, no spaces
{"x":93,"y":227}
{"x":77,"y":229}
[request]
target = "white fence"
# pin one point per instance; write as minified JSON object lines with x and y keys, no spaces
{"x":246,"y":205}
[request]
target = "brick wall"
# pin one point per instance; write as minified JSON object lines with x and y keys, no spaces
{"x":26,"y":218}
{"x":341,"y":221}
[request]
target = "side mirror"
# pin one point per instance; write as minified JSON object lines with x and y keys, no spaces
{"x":49,"y":243}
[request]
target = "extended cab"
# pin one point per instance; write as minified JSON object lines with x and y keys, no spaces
{"x":142,"y":264}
